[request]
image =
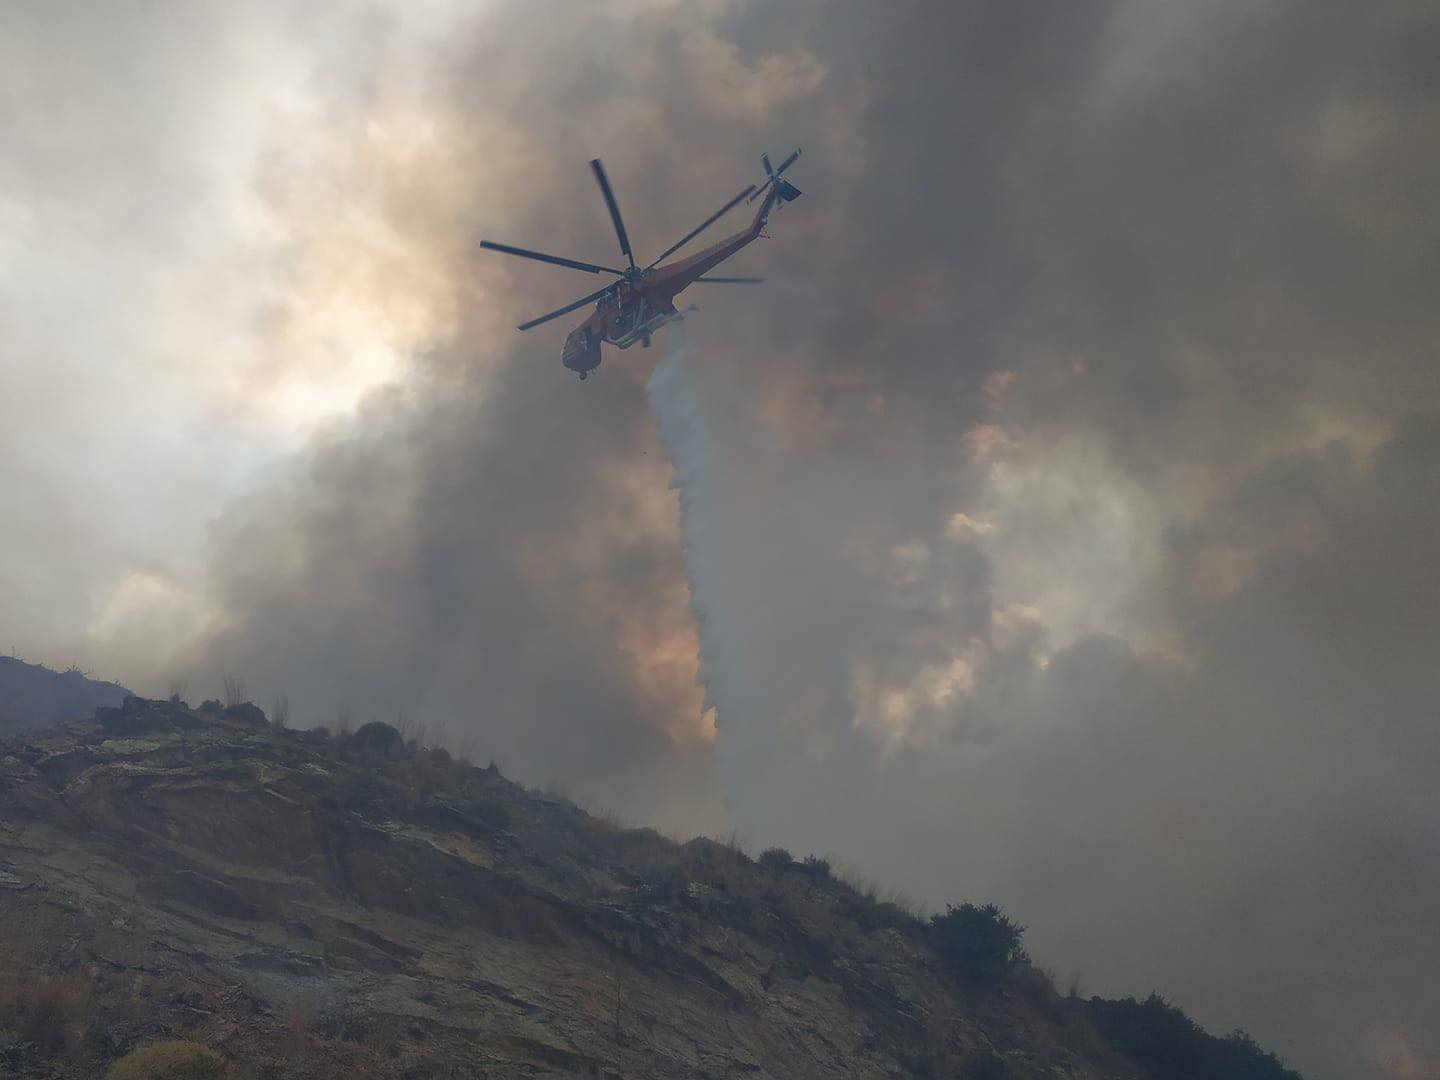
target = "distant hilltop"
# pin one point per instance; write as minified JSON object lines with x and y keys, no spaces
{"x":32,"y":694}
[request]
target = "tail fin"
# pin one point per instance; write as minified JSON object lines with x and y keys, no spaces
{"x":787,"y":191}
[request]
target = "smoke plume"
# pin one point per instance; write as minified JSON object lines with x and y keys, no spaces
{"x":1058,"y":519}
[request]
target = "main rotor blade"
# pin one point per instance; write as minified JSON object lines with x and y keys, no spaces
{"x":731,"y":280}
{"x":787,"y":163}
{"x":567,"y":308}
{"x":614,"y":210}
{"x":574,"y":264}
{"x":703,"y":226}
{"x":765,"y":160}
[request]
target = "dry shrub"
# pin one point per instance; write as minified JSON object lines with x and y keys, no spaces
{"x":50,"y":1014}
{"x":421,"y":774}
{"x":1037,"y":986}
{"x":175,"y":1060}
{"x":234,"y":692}
{"x":643,"y":851}
{"x":301,"y":1022}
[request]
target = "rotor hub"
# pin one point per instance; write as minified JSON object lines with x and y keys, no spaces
{"x":628,"y":281}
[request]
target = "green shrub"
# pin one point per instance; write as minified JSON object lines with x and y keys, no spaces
{"x":776,"y":858}
{"x":816,"y":867}
{"x":1161,"y":1038}
{"x":49,"y":1013}
{"x":978,"y":944}
{"x":170,"y":1061}
{"x":376,"y":741}
{"x":247,"y":713}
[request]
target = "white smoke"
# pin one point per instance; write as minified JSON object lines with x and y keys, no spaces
{"x":830,"y":638}
{"x":686,"y":413}
{"x":701,"y":421}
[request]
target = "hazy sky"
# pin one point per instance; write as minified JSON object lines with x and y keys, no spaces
{"x":1059,"y":520}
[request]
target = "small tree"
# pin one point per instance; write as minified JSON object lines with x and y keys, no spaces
{"x":376,"y":741}
{"x":979,"y":944}
{"x":280,"y":712}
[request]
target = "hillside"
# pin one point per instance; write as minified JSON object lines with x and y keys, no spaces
{"x":309,"y":905}
{"x":31,"y":694}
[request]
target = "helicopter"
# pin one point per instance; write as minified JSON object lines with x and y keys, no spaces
{"x":642,"y":299}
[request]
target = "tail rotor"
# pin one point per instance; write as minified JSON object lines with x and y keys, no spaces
{"x":784,"y":190}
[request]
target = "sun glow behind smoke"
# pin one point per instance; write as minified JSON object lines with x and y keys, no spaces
{"x":254,"y":256}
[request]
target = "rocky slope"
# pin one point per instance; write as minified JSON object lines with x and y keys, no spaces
{"x":317,"y":906}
